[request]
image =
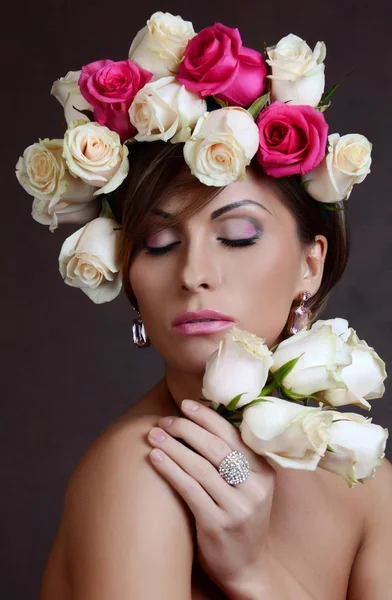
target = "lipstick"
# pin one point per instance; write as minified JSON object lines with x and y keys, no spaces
{"x":203,"y":322}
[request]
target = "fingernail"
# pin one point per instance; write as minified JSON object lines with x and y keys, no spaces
{"x":166,"y":421}
{"x":190,"y":405}
{"x":157,"y":455}
{"x":157,"y":434}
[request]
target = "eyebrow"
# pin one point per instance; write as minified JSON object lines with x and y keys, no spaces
{"x":217,"y":213}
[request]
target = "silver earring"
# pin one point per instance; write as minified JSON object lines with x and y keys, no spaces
{"x":140,"y":338}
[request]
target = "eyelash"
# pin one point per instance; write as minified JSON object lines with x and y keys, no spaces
{"x":228,"y":243}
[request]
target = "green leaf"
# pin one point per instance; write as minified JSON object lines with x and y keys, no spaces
{"x":214,"y":405}
{"x":221,"y":103}
{"x":233,"y":404}
{"x":323,"y":107}
{"x":268,"y":389}
{"x":285,"y":369}
{"x":258,"y":105}
{"x":332,"y":207}
{"x":257,"y":401}
{"x":106,"y":210}
{"x":86,"y":112}
{"x":324,"y":99}
{"x":289,"y":395}
{"x":329,"y":449}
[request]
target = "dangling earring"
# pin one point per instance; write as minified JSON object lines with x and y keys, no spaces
{"x":139,"y":334}
{"x":300,"y":315}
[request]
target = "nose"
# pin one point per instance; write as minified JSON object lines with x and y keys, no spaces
{"x":199,"y":269}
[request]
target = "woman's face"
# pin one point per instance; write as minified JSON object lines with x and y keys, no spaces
{"x":239,"y":255}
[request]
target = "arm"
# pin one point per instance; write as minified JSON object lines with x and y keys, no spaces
{"x":371,"y":574}
{"x":277,"y":583}
{"x":127,"y":533}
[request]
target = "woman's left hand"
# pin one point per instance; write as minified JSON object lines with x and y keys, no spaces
{"x":232,"y":522}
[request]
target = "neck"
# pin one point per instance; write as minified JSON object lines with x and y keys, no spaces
{"x":182,"y":385}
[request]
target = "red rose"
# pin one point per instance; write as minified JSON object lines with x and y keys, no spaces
{"x":293,"y":139}
{"x":217,"y":64}
{"x":111,"y":87}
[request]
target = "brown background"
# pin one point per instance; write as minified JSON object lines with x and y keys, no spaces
{"x":69,"y":365}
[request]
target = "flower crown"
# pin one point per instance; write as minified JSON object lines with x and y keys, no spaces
{"x":227,"y":103}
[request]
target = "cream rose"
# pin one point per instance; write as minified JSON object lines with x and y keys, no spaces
{"x":347,"y":162}
{"x":239,"y":366}
{"x":292,"y":435}
{"x":363,"y":378}
{"x":297,"y":71}
{"x":58,"y":196}
{"x":165,"y":110}
{"x":66,"y":90}
{"x":89,"y":260}
{"x":321,"y":356}
{"x":357,"y":447}
{"x":159,"y":46}
{"x":95,"y":154}
{"x":62,"y":212}
{"x":223,"y":143}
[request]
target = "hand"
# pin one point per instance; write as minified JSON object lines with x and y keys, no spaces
{"x":232,"y":522}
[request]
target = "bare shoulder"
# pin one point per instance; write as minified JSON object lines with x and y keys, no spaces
{"x":371,"y":575}
{"x":123,"y":522}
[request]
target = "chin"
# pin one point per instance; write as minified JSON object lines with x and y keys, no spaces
{"x":190,"y":355}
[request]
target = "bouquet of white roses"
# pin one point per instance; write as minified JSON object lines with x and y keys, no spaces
{"x":267,"y":396}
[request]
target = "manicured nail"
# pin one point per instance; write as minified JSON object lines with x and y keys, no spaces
{"x":190,"y":405}
{"x":156,"y":455}
{"x":157,"y":434}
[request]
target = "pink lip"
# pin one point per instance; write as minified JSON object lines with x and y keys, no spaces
{"x":220,"y":321}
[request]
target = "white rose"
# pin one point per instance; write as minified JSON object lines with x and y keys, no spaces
{"x":95,"y":154}
{"x":159,"y":46}
{"x":293,"y":435}
{"x":223,"y":143}
{"x":297,"y":72}
{"x":321,"y":356}
{"x":358,"y":447}
{"x":239,"y":366}
{"x":165,"y":110}
{"x":62,"y":212}
{"x":67,"y":91}
{"x":42,"y":173}
{"x":363,"y":378}
{"x":89,"y":260}
{"x":347,"y":162}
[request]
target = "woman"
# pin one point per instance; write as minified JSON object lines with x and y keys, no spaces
{"x":139,"y":529}
{"x":231,"y":224}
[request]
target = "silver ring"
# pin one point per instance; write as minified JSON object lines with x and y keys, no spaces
{"x":234,"y":468}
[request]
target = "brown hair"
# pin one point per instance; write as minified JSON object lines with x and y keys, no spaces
{"x":158,"y":170}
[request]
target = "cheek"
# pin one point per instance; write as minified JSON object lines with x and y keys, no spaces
{"x":152,"y":282}
{"x":267,"y":284}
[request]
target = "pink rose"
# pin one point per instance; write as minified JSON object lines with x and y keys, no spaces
{"x":217,"y":64}
{"x":293,"y":139}
{"x":110,"y":88}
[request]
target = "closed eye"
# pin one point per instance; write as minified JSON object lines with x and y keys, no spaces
{"x":229,"y":243}
{"x":233,"y":233}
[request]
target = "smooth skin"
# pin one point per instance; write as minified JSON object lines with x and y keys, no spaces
{"x":138,"y":529}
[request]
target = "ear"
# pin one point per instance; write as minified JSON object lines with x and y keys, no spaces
{"x":313,"y":265}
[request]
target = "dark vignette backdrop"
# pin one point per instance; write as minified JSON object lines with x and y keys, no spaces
{"x":69,"y":365}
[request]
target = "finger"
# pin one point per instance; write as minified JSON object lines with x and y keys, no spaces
{"x":209,"y":420}
{"x":200,"y":503}
{"x":205,"y":443}
{"x":195,"y":466}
